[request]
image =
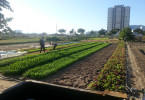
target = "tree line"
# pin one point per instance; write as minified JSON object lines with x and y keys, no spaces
{"x":5,"y":30}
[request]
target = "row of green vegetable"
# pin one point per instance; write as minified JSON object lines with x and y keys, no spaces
{"x":113,"y":75}
{"x":21,"y":66}
{"x":50,"y":68}
{"x":13,"y":60}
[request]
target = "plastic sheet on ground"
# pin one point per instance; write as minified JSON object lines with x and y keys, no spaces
{"x":8,"y":54}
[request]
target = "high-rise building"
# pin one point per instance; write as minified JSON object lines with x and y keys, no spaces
{"x":118,"y":17}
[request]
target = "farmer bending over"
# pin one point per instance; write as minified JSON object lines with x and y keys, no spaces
{"x":54,"y":45}
{"x":42,"y":44}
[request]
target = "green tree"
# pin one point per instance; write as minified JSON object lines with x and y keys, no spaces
{"x":81,"y":31}
{"x":138,"y":31}
{"x":101,"y":32}
{"x":114,"y":31}
{"x":143,"y":32}
{"x":92,"y":34}
{"x":109,"y":34}
{"x":5,"y":4}
{"x":75,"y":34}
{"x":126,"y":33}
{"x":43,"y":34}
{"x":62,"y":31}
{"x":71,"y":31}
{"x":3,"y":21}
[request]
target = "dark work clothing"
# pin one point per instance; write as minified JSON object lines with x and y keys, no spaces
{"x":54,"y":47}
{"x":42,"y":45}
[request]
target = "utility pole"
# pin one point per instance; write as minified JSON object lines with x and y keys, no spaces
{"x":56,"y":28}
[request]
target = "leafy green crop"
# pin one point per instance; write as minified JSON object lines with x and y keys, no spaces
{"x":13,"y":60}
{"x":21,"y":66}
{"x":50,"y":68}
{"x":113,"y":75}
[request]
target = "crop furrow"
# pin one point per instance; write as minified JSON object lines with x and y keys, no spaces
{"x":21,"y":66}
{"x":50,"y":68}
{"x":13,"y":60}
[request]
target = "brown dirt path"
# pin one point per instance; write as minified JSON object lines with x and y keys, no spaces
{"x":5,"y":84}
{"x":81,"y":73}
{"x":136,"y":78}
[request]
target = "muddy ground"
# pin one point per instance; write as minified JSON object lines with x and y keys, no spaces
{"x":82,"y":73}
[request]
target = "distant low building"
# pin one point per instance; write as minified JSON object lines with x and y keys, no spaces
{"x":143,"y":28}
{"x":133,"y":27}
{"x":18,"y":31}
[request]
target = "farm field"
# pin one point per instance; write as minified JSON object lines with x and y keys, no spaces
{"x":19,"y":41}
{"x":89,"y":65}
{"x":113,"y":75}
{"x":81,"y":73}
{"x":41,"y":65}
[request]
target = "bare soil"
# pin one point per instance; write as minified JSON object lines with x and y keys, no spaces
{"x":82,"y":73}
{"x":136,"y":66}
{"x":138,"y":63}
{"x":6,"y":83}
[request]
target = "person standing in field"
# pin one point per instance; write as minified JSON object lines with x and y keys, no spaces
{"x":42,"y":44}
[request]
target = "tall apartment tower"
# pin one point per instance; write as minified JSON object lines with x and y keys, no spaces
{"x":118,"y":17}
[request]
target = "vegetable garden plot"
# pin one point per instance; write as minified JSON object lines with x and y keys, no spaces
{"x":13,"y":60}
{"x":21,"y":66}
{"x":113,"y":75}
{"x":48,"y":69}
{"x":81,"y":73}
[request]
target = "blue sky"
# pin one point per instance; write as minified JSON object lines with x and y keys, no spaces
{"x":42,"y":15}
